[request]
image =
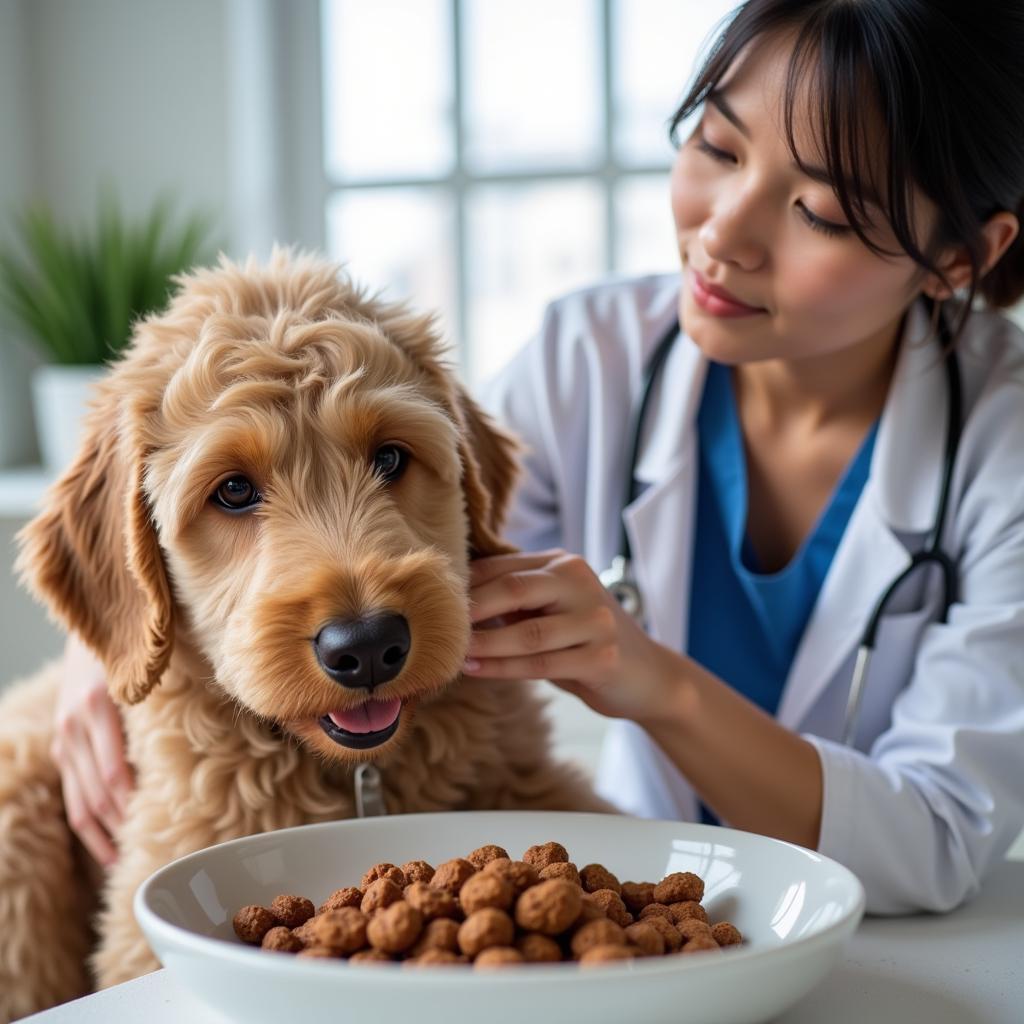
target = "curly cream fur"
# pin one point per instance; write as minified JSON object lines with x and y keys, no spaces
{"x":290,"y":375}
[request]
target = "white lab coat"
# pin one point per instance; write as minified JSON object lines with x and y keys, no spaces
{"x":932,"y":793}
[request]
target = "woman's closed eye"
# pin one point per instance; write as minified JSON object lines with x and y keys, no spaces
{"x":826,"y":227}
{"x":720,"y":155}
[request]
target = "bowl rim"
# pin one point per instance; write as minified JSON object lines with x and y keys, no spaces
{"x":245,"y":956}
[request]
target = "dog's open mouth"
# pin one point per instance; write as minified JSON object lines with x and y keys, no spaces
{"x":361,"y":728}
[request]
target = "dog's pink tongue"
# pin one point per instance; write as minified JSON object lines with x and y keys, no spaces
{"x":372,"y":716}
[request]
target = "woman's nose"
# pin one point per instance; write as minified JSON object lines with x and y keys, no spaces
{"x":732,"y":233}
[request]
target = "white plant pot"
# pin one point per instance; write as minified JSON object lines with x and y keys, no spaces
{"x":61,"y":396}
{"x":17,"y":433}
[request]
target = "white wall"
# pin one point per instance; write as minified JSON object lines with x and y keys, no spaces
{"x":130,"y":92}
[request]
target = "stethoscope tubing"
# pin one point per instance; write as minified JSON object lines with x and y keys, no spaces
{"x":619,"y":580}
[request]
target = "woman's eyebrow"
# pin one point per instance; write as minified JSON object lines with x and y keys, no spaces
{"x":719,"y":102}
{"x":815,"y":173}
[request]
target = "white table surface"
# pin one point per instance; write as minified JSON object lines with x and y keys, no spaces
{"x":962,"y":968}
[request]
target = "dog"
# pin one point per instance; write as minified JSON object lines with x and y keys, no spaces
{"x":265,"y":537}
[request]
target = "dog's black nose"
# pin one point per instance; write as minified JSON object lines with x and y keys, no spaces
{"x":363,"y":652}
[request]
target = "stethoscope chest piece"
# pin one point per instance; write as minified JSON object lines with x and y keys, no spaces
{"x":619,"y":582}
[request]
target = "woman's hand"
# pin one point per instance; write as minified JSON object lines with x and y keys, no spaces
{"x":556,"y":621}
{"x":88,"y":748}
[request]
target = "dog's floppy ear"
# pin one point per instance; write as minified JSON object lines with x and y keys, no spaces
{"x":489,"y":473}
{"x":93,"y":558}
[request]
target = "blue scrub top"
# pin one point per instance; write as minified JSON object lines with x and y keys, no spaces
{"x":745,"y":625}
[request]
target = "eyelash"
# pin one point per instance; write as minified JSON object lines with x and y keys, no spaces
{"x":814,"y":223}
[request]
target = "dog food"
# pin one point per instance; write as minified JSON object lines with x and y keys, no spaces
{"x":493,"y":912}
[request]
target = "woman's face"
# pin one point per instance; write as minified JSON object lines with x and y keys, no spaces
{"x":754,"y":227}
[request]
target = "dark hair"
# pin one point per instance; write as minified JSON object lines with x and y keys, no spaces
{"x":947,"y":78}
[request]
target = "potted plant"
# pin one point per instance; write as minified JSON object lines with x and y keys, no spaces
{"x":78,"y":294}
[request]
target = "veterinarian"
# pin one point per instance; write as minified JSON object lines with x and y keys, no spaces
{"x":792,"y":455}
{"x":790,"y":463}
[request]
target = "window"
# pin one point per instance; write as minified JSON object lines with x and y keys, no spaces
{"x":482,"y":156}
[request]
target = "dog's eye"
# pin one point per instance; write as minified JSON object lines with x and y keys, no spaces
{"x":237,"y":494}
{"x":389,"y":462}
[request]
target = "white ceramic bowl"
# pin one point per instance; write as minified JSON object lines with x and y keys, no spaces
{"x":794,"y":907}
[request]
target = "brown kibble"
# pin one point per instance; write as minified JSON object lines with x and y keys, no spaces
{"x":646,"y":938}
{"x":378,"y":895}
{"x":292,"y":911}
{"x":549,"y":907}
{"x":442,"y":933}
{"x":691,"y":928}
{"x":385,"y":870}
{"x":486,"y":928}
{"x":436,"y":958}
{"x":452,"y":875}
{"x":430,"y":902}
{"x":304,"y":933}
{"x":320,"y":952}
{"x":597,"y":933}
{"x":252,"y":923}
{"x":546,"y":853}
{"x":483,"y":855}
{"x":656,"y":910}
{"x":589,"y":911}
{"x":688,"y":908}
{"x":604,"y":954}
{"x":417,"y":871}
{"x":701,"y":943}
{"x":679,"y":887}
{"x":343,"y":930}
{"x":395,"y":929}
{"x":637,"y":895}
{"x":369,"y":956}
{"x":350,"y":896}
{"x":726,"y":934}
{"x":596,"y":876}
{"x":486,"y":890}
{"x":282,"y":940}
{"x":668,"y":931}
{"x":518,"y":872}
{"x":539,"y":949}
{"x":499,"y":956}
{"x":611,"y":903}
{"x":565,"y":871}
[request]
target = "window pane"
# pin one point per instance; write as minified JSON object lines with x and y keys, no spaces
{"x":645,"y":233}
{"x":656,"y":43}
{"x":532,"y":87}
{"x":388,"y":94}
{"x":399,"y":240}
{"x":526,"y":245}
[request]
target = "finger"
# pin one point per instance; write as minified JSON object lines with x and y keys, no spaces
{"x":106,"y":738}
{"x":483,"y":570}
{"x":566,"y":664}
{"x":79,"y":761}
{"x":534,"y":635}
{"x":83,"y":824}
{"x":515,"y":592}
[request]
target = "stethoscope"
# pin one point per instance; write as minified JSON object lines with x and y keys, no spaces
{"x":619,"y":581}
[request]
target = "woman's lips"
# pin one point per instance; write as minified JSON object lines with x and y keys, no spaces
{"x":717,"y":301}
